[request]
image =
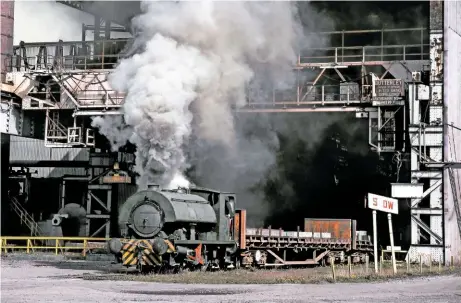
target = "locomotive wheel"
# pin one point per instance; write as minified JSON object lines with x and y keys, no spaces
{"x":237,"y":263}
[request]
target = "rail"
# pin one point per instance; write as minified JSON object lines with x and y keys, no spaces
{"x":310,"y":95}
{"x":364,"y":54}
{"x":56,"y":244}
{"x":367,"y":46}
{"x":25,"y":218}
{"x":17,"y":63}
{"x":346,"y":47}
{"x":84,"y":55}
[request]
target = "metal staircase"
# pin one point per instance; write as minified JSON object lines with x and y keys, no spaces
{"x":25,"y":217}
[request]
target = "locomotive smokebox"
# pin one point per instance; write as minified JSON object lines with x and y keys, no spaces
{"x":147,"y":218}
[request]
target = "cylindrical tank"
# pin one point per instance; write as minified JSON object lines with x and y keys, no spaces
{"x":75,"y":224}
{"x":7,"y":31}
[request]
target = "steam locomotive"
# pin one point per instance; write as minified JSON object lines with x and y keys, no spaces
{"x":200,"y":228}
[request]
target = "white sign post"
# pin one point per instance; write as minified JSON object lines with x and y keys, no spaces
{"x":375,"y":240}
{"x":390,"y":206}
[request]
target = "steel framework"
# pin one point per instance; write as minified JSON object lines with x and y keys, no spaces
{"x":426,"y":157}
{"x":71,"y":77}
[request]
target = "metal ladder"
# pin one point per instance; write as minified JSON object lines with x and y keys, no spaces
{"x":26,"y":218}
{"x":455,"y":197}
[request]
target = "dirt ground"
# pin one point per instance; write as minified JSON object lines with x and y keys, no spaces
{"x":63,"y":281}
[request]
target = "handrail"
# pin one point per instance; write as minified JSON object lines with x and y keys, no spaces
{"x":367,"y":31}
{"x":74,"y":42}
{"x":33,"y":243}
{"x":25,"y":217}
{"x":365,"y":53}
{"x":114,"y":48}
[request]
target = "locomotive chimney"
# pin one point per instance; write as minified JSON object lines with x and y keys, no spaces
{"x":153,"y":186}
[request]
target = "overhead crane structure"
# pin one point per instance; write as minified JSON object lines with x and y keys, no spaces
{"x":72,"y":77}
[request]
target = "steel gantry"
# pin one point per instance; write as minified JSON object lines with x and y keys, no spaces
{"x":67,"y":81}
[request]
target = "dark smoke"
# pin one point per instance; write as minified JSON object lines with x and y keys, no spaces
{"x":305,"y":179}
{"x":285,"y":167}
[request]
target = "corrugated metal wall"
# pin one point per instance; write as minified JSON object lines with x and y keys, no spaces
{"x":452,"y":100}
{"x":22,"y":148}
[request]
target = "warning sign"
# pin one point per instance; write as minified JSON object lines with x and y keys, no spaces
{"x":388,"y":92}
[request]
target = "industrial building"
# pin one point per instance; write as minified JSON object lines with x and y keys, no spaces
{"x":59,"y":176}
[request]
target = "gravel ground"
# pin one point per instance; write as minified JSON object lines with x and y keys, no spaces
{"x":60,"y":281}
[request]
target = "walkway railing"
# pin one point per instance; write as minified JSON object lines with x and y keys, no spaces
{"x":348,"y":47}
{"x":25,"y":218}
{"x":58,"y":245}
{"x":366,"y":46}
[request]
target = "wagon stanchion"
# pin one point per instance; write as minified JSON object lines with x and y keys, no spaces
{"x":332,"y":262}
{"x":349,"y":264}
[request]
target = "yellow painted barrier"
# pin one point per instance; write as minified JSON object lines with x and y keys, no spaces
{"x":60,"y":244}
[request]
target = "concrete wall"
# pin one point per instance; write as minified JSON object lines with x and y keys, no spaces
{"x":452,"y":102}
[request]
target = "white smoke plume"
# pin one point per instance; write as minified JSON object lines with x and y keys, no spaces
{"x":196,"y":62}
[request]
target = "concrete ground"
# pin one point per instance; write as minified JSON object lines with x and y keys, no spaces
{"x":60,"y":281}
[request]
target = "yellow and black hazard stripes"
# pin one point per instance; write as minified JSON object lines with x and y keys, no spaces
{"x":150,"y":258}
{"x":171,"y":248}
{"x":147,"y":254}
{"x":140,"y":252}
{"x":129,"y":253}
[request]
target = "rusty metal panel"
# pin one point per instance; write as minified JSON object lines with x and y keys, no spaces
{"x":243,"y":224}
{"x":452,"y":137}
{"x":340,"y":229}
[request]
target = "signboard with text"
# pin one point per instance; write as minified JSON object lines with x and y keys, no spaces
{"x":388,"y":92}
{"x":384,"y":204}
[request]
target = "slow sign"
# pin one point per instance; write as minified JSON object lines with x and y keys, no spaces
{"x":384,"y":204}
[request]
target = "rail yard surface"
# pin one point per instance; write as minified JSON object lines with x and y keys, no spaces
{"x":82,"y":281}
